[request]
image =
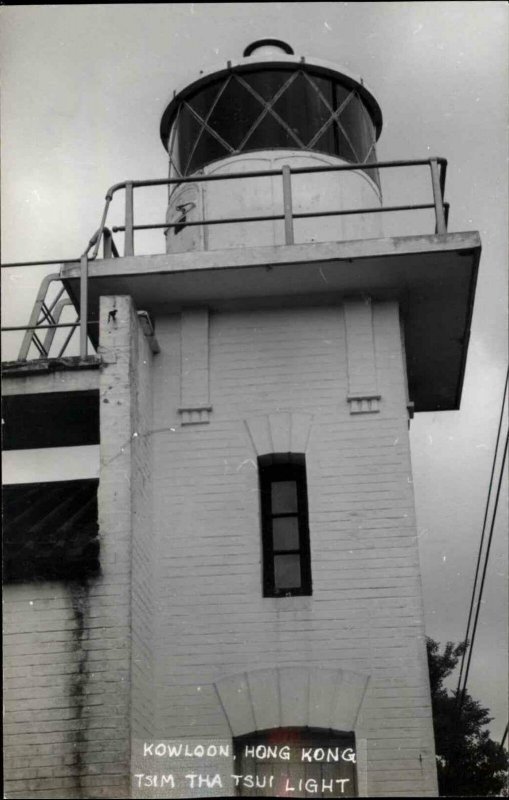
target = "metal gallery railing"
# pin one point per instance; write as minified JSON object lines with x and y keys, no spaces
{"x":45,"y":316}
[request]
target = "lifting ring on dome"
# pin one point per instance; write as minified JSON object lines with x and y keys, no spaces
{"x":268,"y":43}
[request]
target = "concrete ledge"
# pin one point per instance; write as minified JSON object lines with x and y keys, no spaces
{"x":432,"y":277}
{"x":203,"y":260}
{"x":50,"y":366}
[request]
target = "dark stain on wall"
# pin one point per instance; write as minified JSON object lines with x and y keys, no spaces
{"x":80,"y":599}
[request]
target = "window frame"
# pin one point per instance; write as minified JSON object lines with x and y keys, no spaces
{"x":275,"y":468}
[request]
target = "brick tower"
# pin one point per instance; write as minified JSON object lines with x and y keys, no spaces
{"x":258,"y":599}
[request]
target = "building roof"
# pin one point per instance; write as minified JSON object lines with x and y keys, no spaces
{"x":50,"y":531}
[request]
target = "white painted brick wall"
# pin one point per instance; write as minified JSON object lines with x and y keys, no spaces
{"x":179,"y":604}
{"x":142,"y":699}
{"x":124,"y":518}
{"x":42,"y":747}
{"x":366,"y":610}
{"x":77,"y":687}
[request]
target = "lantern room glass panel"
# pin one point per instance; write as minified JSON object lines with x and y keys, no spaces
{"x":272,"y":109}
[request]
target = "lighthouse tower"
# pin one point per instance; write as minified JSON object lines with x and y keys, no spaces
{"x":256,"y":625}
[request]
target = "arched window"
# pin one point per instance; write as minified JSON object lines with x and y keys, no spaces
{"x":296,"y":762}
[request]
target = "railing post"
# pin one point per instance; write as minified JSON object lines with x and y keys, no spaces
{"x":83,"y":306}
{"x":107,"y":244}
{"x":287,"y":203}
{"x":129,"y":220}
{"x":441,"y":226}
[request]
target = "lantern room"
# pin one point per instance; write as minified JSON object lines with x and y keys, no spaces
{"x":268,"y":110}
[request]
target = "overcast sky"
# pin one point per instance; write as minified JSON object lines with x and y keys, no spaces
{"x":83,"y":91}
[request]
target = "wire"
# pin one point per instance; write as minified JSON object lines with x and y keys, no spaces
{"x":504,"y":737}
{"x":478,"y":608}
{"x":483,"y":533}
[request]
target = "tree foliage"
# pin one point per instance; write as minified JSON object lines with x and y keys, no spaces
{"x":469,"y":762}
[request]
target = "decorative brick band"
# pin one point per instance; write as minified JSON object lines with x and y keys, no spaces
{"x":194,"y":416}
{"x":364,"y":403}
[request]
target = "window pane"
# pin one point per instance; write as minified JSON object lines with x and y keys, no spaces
{"x":302,"y":109}
{"x":235,"y":112}
{"x":352,"y":120}
{"x":285,"y":532}
{"x":341,"y":146}
{"x":189,"y":128}
{"x":267,"y":83}
{"x":203,"y":100}
{"x":287,"y":572}
{"x":284,"y":497}
{"x":207,"y":149}
{"x":270,"y":133}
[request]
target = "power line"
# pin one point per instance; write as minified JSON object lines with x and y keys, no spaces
{"x":483,"y":533}
{"x":478,"y":608}
{"x":504,"y":737}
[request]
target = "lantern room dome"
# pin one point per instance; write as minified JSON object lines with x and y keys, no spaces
{"x":271,"y":99}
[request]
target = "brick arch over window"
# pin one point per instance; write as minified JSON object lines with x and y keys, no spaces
{"x":292,"y":697}
{"x":283,"y":432}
